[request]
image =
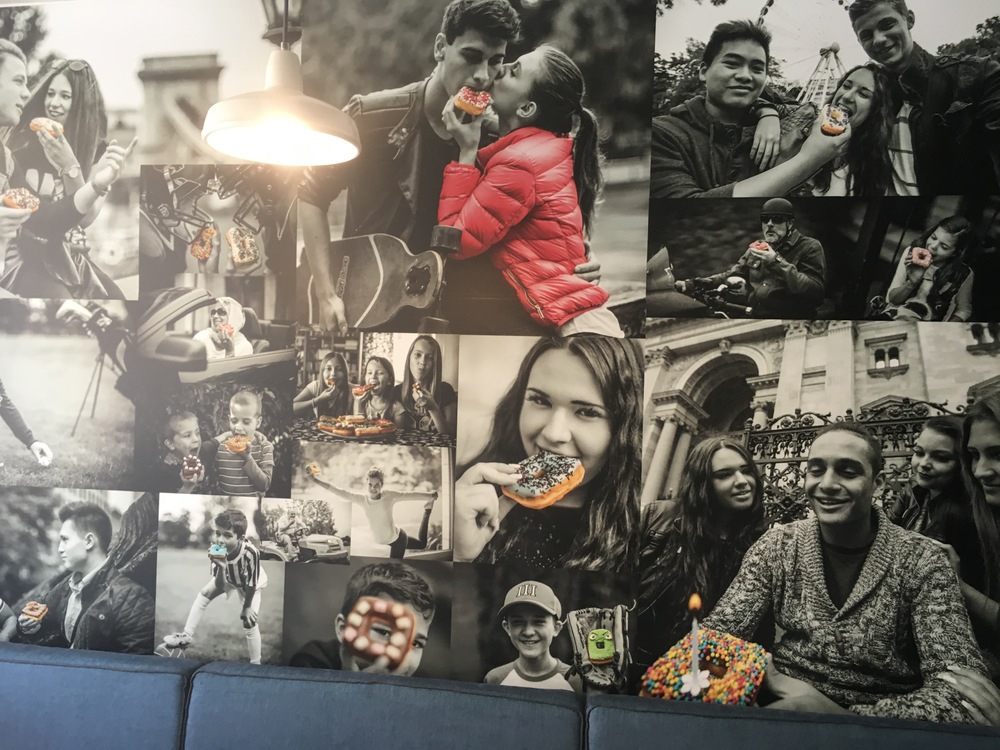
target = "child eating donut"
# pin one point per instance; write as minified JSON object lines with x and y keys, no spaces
{"x":577,"y":398}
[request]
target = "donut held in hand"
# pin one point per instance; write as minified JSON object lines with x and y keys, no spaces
{"x":21,"y":198}
{"x":191,"y":467}
{"x":238,"y":443}
{"x":921,"y":256}
{"x":471,"y":101}
{"x":53,"y":128}
{"x":546,"y":478}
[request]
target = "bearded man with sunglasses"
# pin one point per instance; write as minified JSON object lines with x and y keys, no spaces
{"x":785,"y":271}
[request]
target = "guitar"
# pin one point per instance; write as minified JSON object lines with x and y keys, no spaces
{"x":377,"y":276}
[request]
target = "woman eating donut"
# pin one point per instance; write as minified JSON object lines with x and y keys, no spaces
{"x":576,"y":397}
{"x":377,"y":400}
{"x":696,"y":545}
{"x":58,"y":142}
{"x":431,"y":401}
{"x":224,"y":337}
{"x":329,"y":395}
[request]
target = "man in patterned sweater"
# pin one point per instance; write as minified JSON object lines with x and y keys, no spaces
{"x":872,"y":614}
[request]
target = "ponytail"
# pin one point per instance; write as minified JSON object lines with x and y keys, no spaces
{"x":559,"y":93}
{"x":587,"y":166}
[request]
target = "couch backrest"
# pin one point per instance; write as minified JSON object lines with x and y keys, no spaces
{"x":60,"y":698}
{"x":628,"y":722}
{"x":276,"y":707}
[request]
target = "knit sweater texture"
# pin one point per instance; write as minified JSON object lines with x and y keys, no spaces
{"x":880,"y":654}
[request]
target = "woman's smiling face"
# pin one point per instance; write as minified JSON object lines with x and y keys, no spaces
{"x":564,"y":412}
{"x":59,"y":99}
{"x":856,"y":95}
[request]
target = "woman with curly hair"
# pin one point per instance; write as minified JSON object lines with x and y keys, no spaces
{"x":578,"y":396}
{"x":696,"y":545}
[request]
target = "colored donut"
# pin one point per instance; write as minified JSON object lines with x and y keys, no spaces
{"x":191,"y":466}
{"x":238,"y":443}
{"x":395,"y":628}
{"x":921,"y":256}
{"x":736,"y":670}
{"x":21,"y":198}
{"x":471,"y":101}
{"x":218,"y":552}
{"x":760,"y":247}
{"x":834,"y":120}
{"x":546,"y":478}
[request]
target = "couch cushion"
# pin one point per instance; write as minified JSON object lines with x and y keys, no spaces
{"x":270,"y":707}
{"x":616,"y":722}
{"x":54,"y":697}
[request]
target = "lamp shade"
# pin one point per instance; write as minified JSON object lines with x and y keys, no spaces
{"x":281,"y":125}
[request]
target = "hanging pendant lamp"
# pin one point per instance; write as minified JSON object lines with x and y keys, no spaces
{"x":281,"y":125}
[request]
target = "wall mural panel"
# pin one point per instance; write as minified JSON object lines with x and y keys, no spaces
{"x":424,"y":413}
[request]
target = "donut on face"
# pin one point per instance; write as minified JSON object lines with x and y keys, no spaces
{"x":376,"y":627}
{"x":546,"y":478}
{"x":921,"y":256}
{"x":834,"y":120}
{"x":238,"y":443}
{"x":471,"y":101}
{"x":218,"y":552}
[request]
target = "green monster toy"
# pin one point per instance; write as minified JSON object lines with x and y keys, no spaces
{"x":600,"y":647}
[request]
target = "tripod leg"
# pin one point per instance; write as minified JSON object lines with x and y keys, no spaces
{"x":86,"y":395}
{"x":97,"y":389}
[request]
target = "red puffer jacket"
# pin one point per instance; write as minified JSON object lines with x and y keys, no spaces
{"x":524,"y":208}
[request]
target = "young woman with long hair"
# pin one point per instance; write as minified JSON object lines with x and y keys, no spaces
{"x":54,"y":164}
{"x":430,"y":400}
{"x":696,"y":545}
{"x":936,"y":503}
{"x":981,"y":466}
{"x":579,"y":396}
{"x":529,"y":198}
{"x":329,"y":394}
{"x":941,"y":289}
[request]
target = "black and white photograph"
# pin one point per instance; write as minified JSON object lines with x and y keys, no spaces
{"x":815,"y":97}
{"x":551,"y":630}
{"x":222,"y":228}
{"x":779,"y":449}
{"x":224,"y":437}
{"x":935,"y":259}
{"x":387,"y":388}
{"x":563,"y":412}
{"x":78,"y":569}
{"x":63,"y":395}
{"x":465,"y":249}
{"x":342,"y":617}
{"x":775,"y":258}
{"x":217,"y":597}
{"x":306,"y":530}
{"x":390,"y":500}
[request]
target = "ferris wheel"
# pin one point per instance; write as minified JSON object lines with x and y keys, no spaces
{"x":828,"y":70}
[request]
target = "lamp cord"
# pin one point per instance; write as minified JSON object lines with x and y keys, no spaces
{"x":284,"y":28}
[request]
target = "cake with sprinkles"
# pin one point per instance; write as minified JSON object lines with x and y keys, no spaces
{"x":730,"y":671}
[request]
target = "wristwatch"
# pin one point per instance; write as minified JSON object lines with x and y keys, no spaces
{"x":73,"y":172}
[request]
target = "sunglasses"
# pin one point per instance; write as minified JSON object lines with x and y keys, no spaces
{"x":775,"y":218}
{"x":77,"y":66}
{"x":217,"y":311}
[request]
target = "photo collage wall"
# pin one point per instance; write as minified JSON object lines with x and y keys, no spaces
{"x":703,"y":302}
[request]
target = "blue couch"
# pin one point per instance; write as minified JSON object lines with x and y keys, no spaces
{"x":53,"y":698}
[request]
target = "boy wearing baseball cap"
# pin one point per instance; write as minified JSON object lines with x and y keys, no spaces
{"x":530,"y":616}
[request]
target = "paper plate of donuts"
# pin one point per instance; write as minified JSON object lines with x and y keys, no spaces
{"x":356,"y":426}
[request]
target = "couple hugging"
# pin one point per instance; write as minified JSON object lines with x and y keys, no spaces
{"x":521,"y":184}
{"x":918,"y":124}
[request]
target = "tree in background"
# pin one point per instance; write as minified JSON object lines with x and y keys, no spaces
{"x":675,"y":79}
{"x":662,"y":6}
{"x":361,"y":46}
{"x":24,"y":26}
{"x":986,"y":42}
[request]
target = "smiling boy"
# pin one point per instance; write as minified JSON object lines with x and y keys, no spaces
{"x":247,"y":471}
{"x":946,"y":129}
{"x":700,"y":149}
{"x":872,"y":615}
{"x":530,"y":617}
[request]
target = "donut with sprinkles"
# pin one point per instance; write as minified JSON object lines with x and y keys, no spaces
{"x":546,"y":478}
{"x":736,"y":670}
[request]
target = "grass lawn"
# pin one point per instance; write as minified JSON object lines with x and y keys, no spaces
{"x":46,"y":377}
{"x":180,"y":574}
